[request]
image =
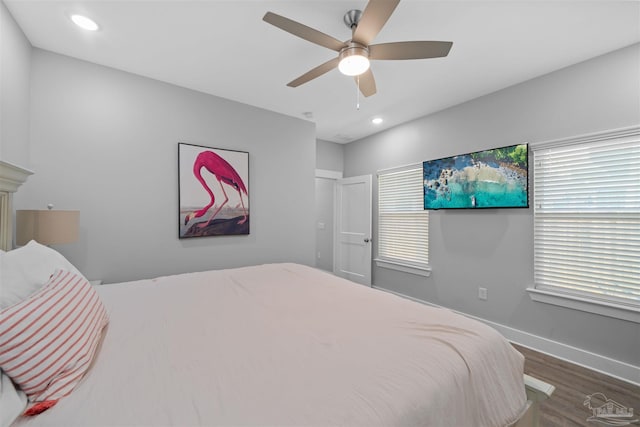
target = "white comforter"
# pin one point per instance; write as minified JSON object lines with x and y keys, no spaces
{"x":285,"y":345}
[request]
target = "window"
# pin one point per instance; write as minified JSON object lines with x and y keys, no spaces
{"x":587,"y":223}
{"x":403,"y":224}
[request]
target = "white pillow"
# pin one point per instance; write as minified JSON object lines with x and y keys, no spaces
{"x":12,"y":401}
{"x":51,"y":338}
{"x":25,"y":270}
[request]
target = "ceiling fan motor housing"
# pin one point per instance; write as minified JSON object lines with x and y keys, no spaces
{"x":354,"y":48}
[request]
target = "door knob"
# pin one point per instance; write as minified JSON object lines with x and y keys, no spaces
{"x":367,"y":240}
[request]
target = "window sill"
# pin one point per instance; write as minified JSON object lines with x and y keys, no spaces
{"x":584,"y":304}
{"x":418,"y":270}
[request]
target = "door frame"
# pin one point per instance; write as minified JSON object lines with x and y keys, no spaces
{"x":333,"y":176}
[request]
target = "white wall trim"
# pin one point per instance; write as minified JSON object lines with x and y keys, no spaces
{"x":329,"y":174}
{"x":418,"y":270}
{"x":614,"y":368}
{"x":399,"y":168}
{"x":590,"y":305}
{"x":630,"y":131}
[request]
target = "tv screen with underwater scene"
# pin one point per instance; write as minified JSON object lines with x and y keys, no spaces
{"x":496,"y":178}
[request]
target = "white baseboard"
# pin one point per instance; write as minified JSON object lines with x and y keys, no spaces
{"x":614,"y":368}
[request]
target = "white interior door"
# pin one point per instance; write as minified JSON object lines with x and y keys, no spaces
{"x":353,"y":229}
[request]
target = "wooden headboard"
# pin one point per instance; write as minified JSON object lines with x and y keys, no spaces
{"x":11,"y":177}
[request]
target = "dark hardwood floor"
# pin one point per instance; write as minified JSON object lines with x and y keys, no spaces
{"x":573,"y":384}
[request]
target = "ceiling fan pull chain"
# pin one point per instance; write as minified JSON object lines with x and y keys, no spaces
{"x":358,"y":93}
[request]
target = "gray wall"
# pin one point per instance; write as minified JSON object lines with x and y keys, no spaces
{"x":15,"y":63}
{"x":329,"y":155}
{"x":494,"y":248}
{"x":105,"y":142}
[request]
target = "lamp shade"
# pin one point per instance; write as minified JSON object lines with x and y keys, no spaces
{"x":48,"y":227}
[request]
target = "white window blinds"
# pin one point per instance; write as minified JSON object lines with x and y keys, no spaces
{"x":403,"y":224}
{"x":587,"y":219}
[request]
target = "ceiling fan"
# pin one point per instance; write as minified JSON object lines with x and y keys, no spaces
{"x":354,"y":55}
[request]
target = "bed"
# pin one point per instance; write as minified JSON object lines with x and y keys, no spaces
{"x":286,"y":345}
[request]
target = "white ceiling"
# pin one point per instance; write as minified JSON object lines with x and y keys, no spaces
{"x":225,"y":49}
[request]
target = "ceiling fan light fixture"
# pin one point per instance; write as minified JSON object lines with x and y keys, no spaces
{"x":354,"y":60}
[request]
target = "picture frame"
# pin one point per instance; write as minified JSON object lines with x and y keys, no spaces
{"x":213,"y":191}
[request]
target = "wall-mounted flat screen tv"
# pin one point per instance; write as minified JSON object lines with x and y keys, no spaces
{"x":495,"y":178}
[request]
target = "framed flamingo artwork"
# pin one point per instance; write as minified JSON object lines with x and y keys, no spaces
{"x":213,"y":191}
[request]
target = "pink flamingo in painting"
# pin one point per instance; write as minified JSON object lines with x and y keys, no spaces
{"x":224,"y":173}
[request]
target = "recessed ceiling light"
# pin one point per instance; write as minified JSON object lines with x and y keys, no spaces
{"x":84,"y":22}
{"x":376,"y":121}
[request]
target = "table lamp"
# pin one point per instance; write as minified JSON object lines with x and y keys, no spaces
{"x":47,"y":227}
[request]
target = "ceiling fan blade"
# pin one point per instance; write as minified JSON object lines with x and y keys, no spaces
{"x":367,"y":83}
{"x":373,"y":18}
{"x":316,"y":72}
{"x":302,"y":31}
{"x":410,"y":50}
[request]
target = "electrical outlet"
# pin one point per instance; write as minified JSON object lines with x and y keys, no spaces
{"x":482,"y":293}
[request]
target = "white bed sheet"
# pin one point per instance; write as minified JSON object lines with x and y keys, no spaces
{"x":284,"y":345}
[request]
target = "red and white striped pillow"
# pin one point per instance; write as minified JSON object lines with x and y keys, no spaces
{"x":47,"y":342}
